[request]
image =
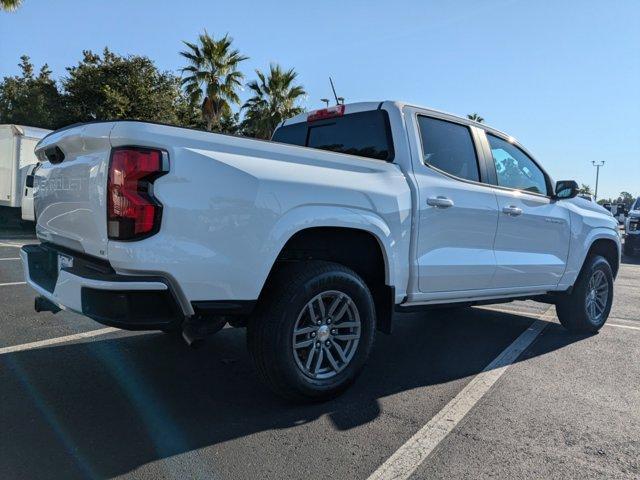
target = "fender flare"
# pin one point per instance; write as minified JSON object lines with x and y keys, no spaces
{"x":598,"y":233}
{"x":312,"y":216}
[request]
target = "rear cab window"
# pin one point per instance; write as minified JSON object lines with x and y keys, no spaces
{"x":365,"y":134}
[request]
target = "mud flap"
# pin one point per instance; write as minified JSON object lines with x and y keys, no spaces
{"x":384,"y":299}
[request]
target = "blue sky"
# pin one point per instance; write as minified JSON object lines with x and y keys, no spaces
{"x":562,"y":77}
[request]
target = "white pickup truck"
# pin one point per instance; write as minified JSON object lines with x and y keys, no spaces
{"x":313,"y":240}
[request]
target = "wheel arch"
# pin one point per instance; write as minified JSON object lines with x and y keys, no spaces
{"x":308,"y":218}
{"x":365,"y":245}
{"x":608,"y":249}
{"x":602,"y":241}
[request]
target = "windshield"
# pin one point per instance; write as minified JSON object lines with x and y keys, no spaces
{"x":636,"y":206}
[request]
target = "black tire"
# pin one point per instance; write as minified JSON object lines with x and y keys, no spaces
{"x":572,"y":308}
{"x":270,"y":330}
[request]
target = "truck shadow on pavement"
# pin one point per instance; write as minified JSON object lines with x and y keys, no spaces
{"x":104,"y":408}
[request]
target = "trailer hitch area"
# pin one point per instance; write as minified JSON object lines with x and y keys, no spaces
{"x":43,"y":304}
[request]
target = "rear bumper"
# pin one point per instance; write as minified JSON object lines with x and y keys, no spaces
{"x":92,"y":288}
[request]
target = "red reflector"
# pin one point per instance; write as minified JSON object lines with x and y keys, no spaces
{"x":323,"y":113}
{"x":131,"y":209}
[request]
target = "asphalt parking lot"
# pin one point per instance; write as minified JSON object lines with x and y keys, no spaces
{"x":144,"y":405}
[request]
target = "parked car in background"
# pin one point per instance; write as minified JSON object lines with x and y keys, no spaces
{"x":632,"y":229}
{"x":586,"y":196}
{"x":17,"y":158}
{"x":313,"y":240}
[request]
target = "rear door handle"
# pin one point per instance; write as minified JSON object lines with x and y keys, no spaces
{"x":512,"y":211}
{"x":440,"y":202}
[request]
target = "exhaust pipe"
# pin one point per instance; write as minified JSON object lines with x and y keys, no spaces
{"x":43,"y":304}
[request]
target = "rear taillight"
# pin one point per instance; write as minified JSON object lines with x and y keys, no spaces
{"x":132,"y":210}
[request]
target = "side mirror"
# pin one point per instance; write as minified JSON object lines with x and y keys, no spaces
{"x":566,"y":189}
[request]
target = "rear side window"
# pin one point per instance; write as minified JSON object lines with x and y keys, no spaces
{"x":448,"y":147}
{"x":366,"y":134}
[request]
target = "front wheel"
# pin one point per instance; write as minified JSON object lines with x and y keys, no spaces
{"x":587,"y":308}
{"x":313,"y":331}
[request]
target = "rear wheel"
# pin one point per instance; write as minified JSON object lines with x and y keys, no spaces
{"x":313,"y":331}
{"x":587,"y":308}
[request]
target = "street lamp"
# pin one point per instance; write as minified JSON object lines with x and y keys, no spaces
{"x":325,"y":100}
{"x":597,"y":164}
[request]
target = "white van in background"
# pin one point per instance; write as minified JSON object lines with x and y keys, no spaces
{"x":17,"y":158}
{"x":28,"y":212}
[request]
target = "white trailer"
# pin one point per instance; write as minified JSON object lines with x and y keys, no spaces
{"x":17,"y":144}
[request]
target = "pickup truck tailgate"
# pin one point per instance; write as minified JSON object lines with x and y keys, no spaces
{"x":70,"y":192}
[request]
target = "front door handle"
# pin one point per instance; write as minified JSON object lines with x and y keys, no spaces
{"x":440,"y":202}
{"x":512,"y":211}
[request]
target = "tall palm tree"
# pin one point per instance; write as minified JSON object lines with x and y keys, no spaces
{"x":212,"y":76}
{"x":275,"y":99}
{"x":475,"y":117}
{"x":10,"y":5}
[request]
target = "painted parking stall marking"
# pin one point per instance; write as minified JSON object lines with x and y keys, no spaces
{"x":12,"y":283}
{"x":409,"y":456}
{"x":57,"y":340}
{"x":621,"y":326}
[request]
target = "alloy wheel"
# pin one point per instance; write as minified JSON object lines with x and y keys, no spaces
{"x":326,"y":334}
{"x":597,"y":296}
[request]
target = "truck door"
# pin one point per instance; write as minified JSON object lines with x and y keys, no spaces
{"x":457,"y":212}
{"x":532,"y":243}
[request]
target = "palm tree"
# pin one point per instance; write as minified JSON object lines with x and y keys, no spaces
{"x":212,"y":76}
{"x":475,"y":117}
{"x":10,"y":5}
{"x":274,"y":99}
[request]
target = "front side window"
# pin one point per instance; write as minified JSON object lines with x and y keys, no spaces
{"x":448,"y":147}
{"x":514,"y":167}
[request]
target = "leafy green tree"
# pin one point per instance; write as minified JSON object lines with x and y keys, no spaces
{"x":626,"y":198}
{"x":275,"y":98}
{"x":586,"y":189}
{"x":31,"y":99}
{"x":475,"y":117}
{"x":212,"y":77}
{"x":10,"y":5}
{"x":109,"y":86}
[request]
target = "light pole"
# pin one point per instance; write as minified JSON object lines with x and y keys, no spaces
{"x":597,"y":164}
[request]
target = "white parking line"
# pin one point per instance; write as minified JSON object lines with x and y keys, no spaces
{"x":621,"y":326}
{"x":409,"y":456}
{"x":57,"y":340}
{"x":12,"y":258}
{"x":15,"y":245}
{"x":12,"y":283}
{"x":536,"y":315}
